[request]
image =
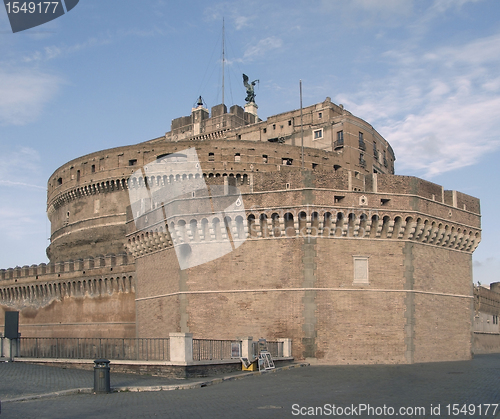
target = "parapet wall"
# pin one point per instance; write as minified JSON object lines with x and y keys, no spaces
{"x":94,"y":297}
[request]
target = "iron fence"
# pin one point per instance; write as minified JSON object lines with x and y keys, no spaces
{"x":211,"y":349}
{"x":274,"y":348}
{"x":140,"y":349}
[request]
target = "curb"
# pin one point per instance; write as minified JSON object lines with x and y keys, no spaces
{"x":138,"y":389}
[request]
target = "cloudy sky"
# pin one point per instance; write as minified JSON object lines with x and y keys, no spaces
{"x":425,"y":73}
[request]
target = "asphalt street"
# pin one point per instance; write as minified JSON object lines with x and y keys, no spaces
{"x":465,"y":389}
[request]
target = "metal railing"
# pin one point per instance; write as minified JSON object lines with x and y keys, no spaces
{"x":274,"y":348}
{"x":210,"y":349}
{"x":140,"y":349}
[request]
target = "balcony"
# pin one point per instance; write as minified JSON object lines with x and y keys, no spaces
{"x":338,"y":144}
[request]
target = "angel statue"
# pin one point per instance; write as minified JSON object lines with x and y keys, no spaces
{"x":250,"y":89}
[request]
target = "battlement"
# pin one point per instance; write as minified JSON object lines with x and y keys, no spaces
{"x":71,"y":268}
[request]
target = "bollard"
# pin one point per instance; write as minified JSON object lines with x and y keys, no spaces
{"x":101,"y":376}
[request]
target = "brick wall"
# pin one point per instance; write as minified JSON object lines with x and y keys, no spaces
{"x":303,"y":289}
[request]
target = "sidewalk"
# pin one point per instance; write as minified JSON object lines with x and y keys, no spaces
{"x":21,"y":381}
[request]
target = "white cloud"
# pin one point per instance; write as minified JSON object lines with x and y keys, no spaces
{"x":21,"y":167}
{"x":24,"y":93}
{"x":441,"y":6}
{"x":370,"y":12}
{"x":240,"y":15}
{"x":439,"y":108}
{"x":262,"y":47}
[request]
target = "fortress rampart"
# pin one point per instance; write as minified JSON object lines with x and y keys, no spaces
{"x":91,"y":297}
{"x":354,"y":263}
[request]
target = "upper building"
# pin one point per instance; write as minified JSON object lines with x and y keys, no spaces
{"x":87,"y":196}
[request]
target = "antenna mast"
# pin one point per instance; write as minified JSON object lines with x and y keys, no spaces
{"x":301,"y":126}
{"x":223,"y":59}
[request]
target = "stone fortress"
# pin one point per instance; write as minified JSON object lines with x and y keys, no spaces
{"x":354,"y":263}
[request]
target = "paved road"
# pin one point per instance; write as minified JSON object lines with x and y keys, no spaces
{"x":283,"y":394}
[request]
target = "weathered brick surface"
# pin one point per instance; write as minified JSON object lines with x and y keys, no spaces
{"x":352,"y":323}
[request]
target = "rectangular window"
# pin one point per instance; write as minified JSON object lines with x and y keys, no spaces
{"x":211,"y":157}
{"x":339,"y":143}
{"x":360,"y":270}
{"x":264,"y":158}
{"x":362,"y":145}
{"x":237,"y":157}
{"x":132,"y":162}
{"x":286,"y":161}
{"x":320,"y":115}
{"x":362,"y":161}
{"x":290,"y":123}
{"x":318,"y":134}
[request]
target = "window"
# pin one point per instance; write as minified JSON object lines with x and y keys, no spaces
{"x":264,"y":158}
{"x":362,"y":145}
{"x":132,"y":162}
{"x":339,"y":143}
{"x":211,"y":157}
{"x":314,"y":166}
{"x":320,"y":115}
{"x":318,"y":134}
{"x":286,"y":161}
{"x":360,"y":270}
{"x":290,"y":123}
{"x":265,"y":130}
{"x":93,"y":168}
{"x":274,"y":126}
{"x":362,"y":161}
{"x":237,"y":157}
{"x":59,"y":181}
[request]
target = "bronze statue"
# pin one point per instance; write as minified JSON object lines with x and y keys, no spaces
{"x":250,"y":89}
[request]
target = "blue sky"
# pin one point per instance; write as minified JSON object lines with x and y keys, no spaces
{"x":424,"y":73}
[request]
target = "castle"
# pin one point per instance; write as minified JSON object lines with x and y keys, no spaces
{"x":354,"y":263}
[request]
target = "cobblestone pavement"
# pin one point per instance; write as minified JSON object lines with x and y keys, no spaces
{"x":444,"y":387}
